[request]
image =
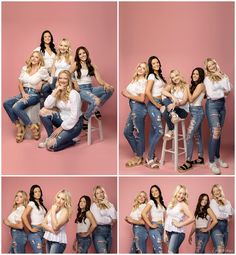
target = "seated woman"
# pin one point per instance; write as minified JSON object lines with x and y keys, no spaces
{"x":31,"y":78}
{"x":175,"y":103}
{"x":62,"y":109}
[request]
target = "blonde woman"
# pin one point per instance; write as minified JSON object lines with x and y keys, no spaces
{"x":217,"y":89}
{"x":223,"y":210}
{"x":135,"y":125}
{"x":62,"y":109}
{"x":55,"y":222}
{"x":178,"y":215}
{"x":139,"y":243}
{"x":176,"y":102}
{"x":30,"y":82}
{"x":105,"y":215}
{"x":14,"y":222}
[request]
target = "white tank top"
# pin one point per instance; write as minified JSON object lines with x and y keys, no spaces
{"x":157,"y":214}
{"x":180,"y":95}
{"x":60,"y":66}
{"x":136,"y":214}
{"x":202,"y":223}
{"x":83,"y":227}
{"x":85,"y":78}
{"x":198,"y":100}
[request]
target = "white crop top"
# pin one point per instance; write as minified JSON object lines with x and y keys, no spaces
{"x":48,"y":59}
{"x":36,"y":215}
{"x":179,"y":94}
{"x":198,"y":100}
{"x":157,"y":86}
{"x":16,"y":214}
{"x":136,"y":214}
{"x":103,"y":216}
{"x":174,"y":214}
{"x":61,"y":65}
{"x":157,"y":213}
{"x":222,"y":212}
{"x":202,"y":223}
{"x":138,"y":87}
{"x":83,"y":227}
{"x":84,"y":78}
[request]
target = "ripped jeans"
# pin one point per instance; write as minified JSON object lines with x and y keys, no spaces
{"x":55,"y":247}
{"x":65,"y":138}
{"x":36,"y":240}
{"x":83,"y":243}
{"x":216,"y":112}
{"x":19,"y":239}
{"x":134,"y":129}
{"x":175,"y":240}
{"x":195,"y":130}
{"x":156,"y":236}
{"x":219,"y":236}
{"x":156,"y":127}
{"x":139,"y":243}
{"x":102,"y":238}
{"x":201,"y":240}
{"x":47,"y":88}
{"x":89,"y":94}
{"x":15,"y":106}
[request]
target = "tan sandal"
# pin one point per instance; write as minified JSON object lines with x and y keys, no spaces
{"x":35,"y":129}
{"x":136,"y":161}
{"x":20,"y":133}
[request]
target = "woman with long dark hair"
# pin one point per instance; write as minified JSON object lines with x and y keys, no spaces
{"x":36,"y":211}
{"x":85,"y":225}
{"x":156,"y":208}
{"x":205,"y":220}
{"x":196,"y":94}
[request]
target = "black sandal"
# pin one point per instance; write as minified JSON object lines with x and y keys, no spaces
{"x":98,"y":115}
{"x":199,"y":160}
{"x":186,"y":166}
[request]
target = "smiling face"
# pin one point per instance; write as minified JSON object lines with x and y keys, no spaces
{"x":155,"y":64}
{"x":155,"y":192}
{"x":204,"y":201}
{"x":99,"y":194}
{"x":35,"y":58}
{"x":37,"y":193}
{"x":63,"y":80}
{"x":63,"y":47}
{"x":82,"y":55}
{"x":175,"y":77}
{"x":60,"y":199}
{"x":195,"y":75}
{"x":82,"y":203}
{"x":141,"y":69}
{"x":47,"y":38}
{"x":181,"y":195}
{"x":19,"y":198}
{"x":142,"y":198}
{"x":216,"y":192}
{"x":211,"y":66}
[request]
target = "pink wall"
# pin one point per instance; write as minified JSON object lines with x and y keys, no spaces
{"x":168,"y":186}
{"x":182,"y":35}
{"x":78,"y":186}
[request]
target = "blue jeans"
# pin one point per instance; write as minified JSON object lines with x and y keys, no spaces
{"x":201,"y":240}
{"x":64,"y":139}
{"x":55,"y":247}
{"x":83,"y":243}
{"x":15,"y":106}
{"x":47,"y":88}
{"x":102,"y":238}
{"x":36,"y":240}
{"x":156,"y":127}
{"x":175,"y":240}
{"x":19,"y":239}
{"x":156,"y":235}
{"x":216,"y":112}
{"x":219,"y":236}
{"x":134,"y":129}
{"x":88,"y":93}
{"x":139,"y":243}
{"x":195,"y":130}
{"x":179,"y":111}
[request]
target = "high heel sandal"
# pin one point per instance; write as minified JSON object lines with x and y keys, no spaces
{"x":20,"y":133}
{"x":186,"y":166}
{"x":35,"y":129}
{"x":199,"y":160}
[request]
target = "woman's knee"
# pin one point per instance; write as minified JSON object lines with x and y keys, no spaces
{"x":45,"y":112}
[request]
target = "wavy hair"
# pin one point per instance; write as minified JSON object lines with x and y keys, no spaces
{"x":160,"y":196}
{"x":67,"y":203}
{"x":29,"y":61}
{"x":201,"y":211}
{"x":65,"y":94}
{"x":136,"y":76}
{"x":182,"y":81}
{"x":25,"y":198}
{"x":221,"y":192}
{"x":68,"y":53}
{"x":150,"y":69}
{"x":200,"y":79}
{"x":51,"y":44}
{"x":81,"y":214}
{"x":136,"y":203}
{"x":106,"y":204}
{"x":31,"y":197}
{"x":174,"y":200}
{"x":216,"y":76}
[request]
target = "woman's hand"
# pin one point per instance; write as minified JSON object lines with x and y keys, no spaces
{"x":107,"y":87}
{"x":56,"y":132}
{"x":34,"y":230}
{"x":176,"y":223}
{"x":190,"y":239}
{"x":171,"y":107}
{"x":204,"y":230}
{"x":125,"y":93}
{"x":25,"y":96}
{"x":7,"y":222}
{"x":153,"y":226}
{"x":75,"y":246}
{"x":84,"y":234}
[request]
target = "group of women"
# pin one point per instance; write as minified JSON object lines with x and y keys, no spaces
{"x":59,"y":80}
{"x":173,"y":102}
{"x":30,"y":220}
{"x":166,"y":224}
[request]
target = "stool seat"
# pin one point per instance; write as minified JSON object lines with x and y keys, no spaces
{"x":92,"y":128}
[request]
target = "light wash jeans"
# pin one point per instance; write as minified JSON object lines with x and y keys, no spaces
{"x":102,"y":238}
{"x":19,"y":239}
{"x":47,"y":88}
{"x":55,"y":247}
{"x":201,"y":240}
{"x":36,"y":240}
{"x":219,"y":236}
{"x":156,"y":236}
{"x":175,"y":240}
{"x":83,"y":243}
{"x":139,"y":243}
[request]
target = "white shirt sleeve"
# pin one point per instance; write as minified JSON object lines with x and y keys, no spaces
{"x":44,"y":75}
{"x":151,"y":77}
{"x":221,"y":211}
{"x":151,"y":203}
{"x":22,"y":73}
{"x":50,"y":102}
{"x":103,"y":216}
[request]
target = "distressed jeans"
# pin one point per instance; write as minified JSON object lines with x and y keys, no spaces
{"x":216,"y":112}
{"x":15,"y":106}
{"x":19,"y":239}
{"x":89,"y":93}
{"x":134,"y":128}
{"x":55,"y":247}
{"x":36,"y":240}
{"x":47,"y":88}
{"x":156,"y":236}
{"x":83,"y":243}
{"x":219,"y":236}
{"x":156,"y":129}
{"x":201,"y":240}
{"x":139,"y":243}
{"x":175,"y":240}
{"x":102,"y":238}
{"x":195,"y":130}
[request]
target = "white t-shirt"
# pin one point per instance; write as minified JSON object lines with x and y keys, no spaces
{"x":85,"y":78}
{"x":157,"y":86}
{"x":69,"y":111}
{"x":179,"y":94}
{"x":16,"y":214}
{"x":36,"y":215}
{"x":202,"y":222}
{"x":83,"y":226}
{"x":48,"y":59}
{"x":136,"y":214}
{"x":222,"y":212}
{"x":138,"y":87}
{"x":61,"y":65}
{"x":157,"y":214}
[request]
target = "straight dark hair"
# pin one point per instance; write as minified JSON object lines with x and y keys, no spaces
{"x":200,"y":79}
{"x":81,"y":215}
{"x":51,"y":44}
{"x":160,"y":196}
{"x":151,"y":69}
{"x":31,"y":195}
{"x":201,"y":212}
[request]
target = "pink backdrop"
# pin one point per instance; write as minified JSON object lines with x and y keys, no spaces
{"x":182,"y":35}
{"x":82,"y":23}
{"x":167,"y":186}
{"x":78,"y":186}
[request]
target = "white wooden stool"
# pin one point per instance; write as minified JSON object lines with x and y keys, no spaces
{"x":92,"y":129}
{"x":175,"y":149}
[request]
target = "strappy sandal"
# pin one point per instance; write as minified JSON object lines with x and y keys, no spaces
{"x":199,"y":160}
{"x":152,"y":163}
{"x":35,"y":129}
{"x":136,"y":161}
{"x":186,"y":166}
{"x":98,"y":115}
{"x":20,"y":133}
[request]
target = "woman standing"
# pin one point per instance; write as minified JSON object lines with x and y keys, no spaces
{"x":85,"y":225}
{"x":178,"y":216}
{"x":205,"y":220}
{"x":155,"y":85}
{"x":139,"y":243}
{"x":36,"y":211}
{"x":223,"y":211}
{"x":156,"y":208}
{"x":134,"y":129}
{"x":14,"y":222}
{"x":217,"y":89}
{"x":105,"y":215}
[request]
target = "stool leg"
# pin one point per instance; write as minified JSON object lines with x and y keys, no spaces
{"x":89,"y":132}
{"x":176,"y":153}
{"x":163,"y":151}
{"x":184,"y":139}
{"x":100,"y":130}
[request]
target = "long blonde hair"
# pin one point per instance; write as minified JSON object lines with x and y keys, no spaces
{"x":136,"y":203}
{"x":67,"y":204}
{"x":25,"y":198}
{"x":68,"y":53}
{"x":29,"y":62}
{"x":174,"y":200}
{"x":216,"y":76}
{"x":218,"y":186}
{"x":135,"y":75}
{"x":182,"y":82}
{"x":65,"y":94}
{"x":105,"y":204}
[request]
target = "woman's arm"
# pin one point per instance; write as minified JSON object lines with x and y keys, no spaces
{"x":199,"y":89}
{"x":166,"y":92}
{"x":73,"y":67}
{"x":148,"y":93}
{"x":138,"y":98}
{"x":53,"y":68}
{"x":93,"y":225}
{"x":25,"y":220}
{"x":185,"y":98}
{"x":145,"y":217}
{"x":213,"y":221}
{"x":129,"y":220}
{"x":191,"y":233}
{"x":63,"y":219}
{"x":18,"y":225}
{"x":45,"y":223}
{"x":22,"y":91}
{"x":188,"y":214}
{"x":100,"y":80}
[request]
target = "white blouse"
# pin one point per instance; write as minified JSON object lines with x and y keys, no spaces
{"x":70,"y":111}
{"x":137,"y":214}
{"x":48,"y":59}
{"x":85,"y":78}
{"x":179,"y":94}
{"x":222,"y":212}
{"x":16,"y":214}
{"x":138,"y":87}
{"x":157,"y":86}
{"x":202,"y":222}
{"x":36,"y":215}
{"x":157,"y":214}
{"x":61,"y":65}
